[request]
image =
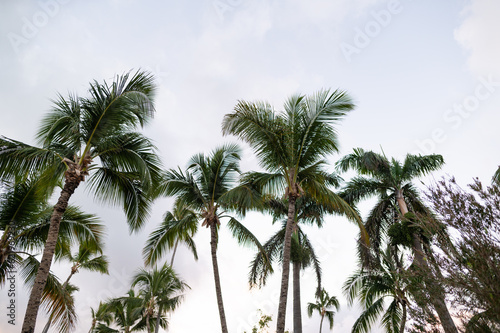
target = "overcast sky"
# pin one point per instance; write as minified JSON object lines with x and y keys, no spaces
{"x":425,"y":76}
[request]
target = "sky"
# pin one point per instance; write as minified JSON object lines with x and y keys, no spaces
{"x":424,"y":75}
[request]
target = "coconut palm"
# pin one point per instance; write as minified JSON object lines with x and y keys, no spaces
{"x":208,"y":187}
{"x":391,"y":182}
{"x":292,"y":146}
{"x":100,"y":317}
{"x":372,"y":287}
{"x":91,"y":139}
{"x":180,"y":225}
{"x":160,"y":290}
{"x":324,"y":302}
{"x":86,"y":258}
{"x":302,"y":256}
{"x":126,"y":312}
{"x":302,"y":253}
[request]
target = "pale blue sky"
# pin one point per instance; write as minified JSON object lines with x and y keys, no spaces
{"x":430,"y":57}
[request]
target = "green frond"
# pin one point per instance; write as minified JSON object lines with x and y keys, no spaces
{"x":417,"y":165}
{"x":257,"y":124}
{"x":265,"y":183}
{"x":318,"y":137}
{"x":19,"y":160}
{"x":125,"y":103}
{"x":311,"y":307}
{"x":361,"y":188}
{"x":368,"y":317}
{"x":122,"y":189}
{"x":365,"y":163}
{"x":98,"y":264}
{"x":62,"y":124}
{"x":330,"y":316}
{"x":177,"y":226}
{"x":60,"y":305}
{"x":130,"y":152}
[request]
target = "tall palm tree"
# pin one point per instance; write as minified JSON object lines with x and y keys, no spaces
{"x":76,"y":134}
{"x":208,"y":186}
{"x":391,"y":182}
{"x":86,"y":258}
{"x":372,"y":287}
{"x":160,"y":290}
{"x":324,"y":301}
{"x":302,"y":254}
{"x":180,"y":225}
{"x":292,"y":146}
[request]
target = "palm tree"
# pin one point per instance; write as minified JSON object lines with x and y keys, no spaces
{"x":126,"y":312}
{"x":324,"y":301}
{"x":86,"y":258}
{"x":291,"y":146}
{"x":302,"y":253}
{"x":302,"y":256}
{"x":100,"y":317}
{"x":160,"y":290}
{"x":73,"y":136}
{"x":180,"y":225}
{"x":372,"y":287}
{"x":208,"y":186}
{"x":391,"y":182}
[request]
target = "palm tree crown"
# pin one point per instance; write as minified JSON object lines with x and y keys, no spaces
{"x":291,"y":146}
{"x":208,"y":187}
{"x":180,"y":225}
{"x":324,"y":301}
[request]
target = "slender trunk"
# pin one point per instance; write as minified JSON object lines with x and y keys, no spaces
{"x":321,"y":323}
{"x":173,"y":254}
{"x":148,"y":326}
{"x":213,"y":245}
{"x":72,"y":181}
{"x":297,"y":316}
{"x":280,"y":328}
{"x":157,"y":328}
{"x":403,"y":319}
{"x":93,"y":325}
{"x":49,"y":322}
{"x":421,"y":261}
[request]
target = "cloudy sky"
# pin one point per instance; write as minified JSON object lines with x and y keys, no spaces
{"x":424,"y":74}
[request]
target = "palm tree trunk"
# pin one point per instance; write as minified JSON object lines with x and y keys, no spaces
{"x":280,"y":327}
{"x":321,"y":323}
{"x":73,"y":179}
{"x":437,"y":299}
{"x":213,"y":245}
{"x":297,"y":316}
{"x":148,"y":325}
{"x":173,"y":254}
{"x":160,"y":308}
{"x":403,"y":319}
